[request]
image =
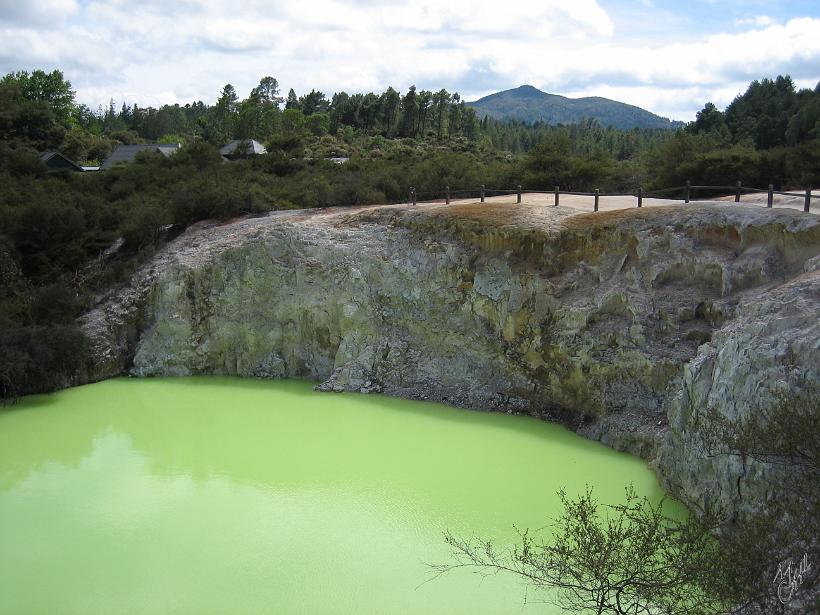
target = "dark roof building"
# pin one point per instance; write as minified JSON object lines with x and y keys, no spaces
{"x":55,"y":161}
{"x":127,"y":153}
{"x":241,"y":148}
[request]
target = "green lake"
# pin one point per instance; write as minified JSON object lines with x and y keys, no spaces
{"x":219,"y":495}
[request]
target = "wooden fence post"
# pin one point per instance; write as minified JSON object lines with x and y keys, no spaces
{"x":519,"y":194}
{"x":410,"y":196}
{"x":597,"y":194}
{"x":807,"y":201}
{"x":770,"y":199}
{"x":414,"y":196}
{"x":640,"y":196}
{"x":482,"y":193}
{"x":557,"y":190}
{"x":688,"y":188}
{"x":737,"y":192}
{"x":447,"y":194}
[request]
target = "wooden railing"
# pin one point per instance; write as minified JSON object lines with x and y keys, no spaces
{"x":686,"y":191}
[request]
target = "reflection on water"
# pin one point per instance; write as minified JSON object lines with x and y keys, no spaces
{"x":214,"y":495}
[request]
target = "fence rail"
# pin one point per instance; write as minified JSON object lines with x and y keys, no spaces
{"x":686,"y":190}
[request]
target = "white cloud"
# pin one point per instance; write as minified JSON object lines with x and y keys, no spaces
{"x":155,"y":51}
{"x":40,"y":13}
{"x":711,"y":61}
{"x":760,"y":21}
{"x":678,"y":78}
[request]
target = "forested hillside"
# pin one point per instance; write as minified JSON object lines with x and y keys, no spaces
{"x":64,"y":236}
{"x":529,"y":104}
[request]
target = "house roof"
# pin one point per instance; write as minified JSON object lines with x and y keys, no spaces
{"x":57,"y":161}
{"x":127,"y":153}
{"x":253,"y":147}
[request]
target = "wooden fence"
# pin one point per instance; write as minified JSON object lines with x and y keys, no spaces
{"x":686,"y":191}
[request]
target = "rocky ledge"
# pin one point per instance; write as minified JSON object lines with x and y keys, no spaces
{"x":626,"y":326}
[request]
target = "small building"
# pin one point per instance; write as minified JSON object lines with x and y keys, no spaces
{"x":55,"y":161}
{"x":127,"y":153}
{"x":338,"y":159}
{"x":242,"y":148}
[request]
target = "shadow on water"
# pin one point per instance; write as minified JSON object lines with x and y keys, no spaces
{"x":282,"y":432}
{"x":31,"y":402}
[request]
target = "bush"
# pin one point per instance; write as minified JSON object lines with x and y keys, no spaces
{"x":142,"y":227}
{"x":35,"y":359}
{"x":55,"y":303}
{"x":623,"y":559}
{"x":200,"y":155}
{"x":23,"y":162}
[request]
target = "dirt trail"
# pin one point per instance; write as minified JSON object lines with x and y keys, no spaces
{"x":610,"y":203}
{"x":579,"y":203}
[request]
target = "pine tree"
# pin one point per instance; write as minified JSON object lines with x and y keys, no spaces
{"x":292,"y":102}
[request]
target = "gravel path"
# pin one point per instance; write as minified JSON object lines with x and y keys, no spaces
{"x":610,"y":203}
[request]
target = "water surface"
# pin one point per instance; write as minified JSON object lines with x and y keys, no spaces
{"x":219,"y":495}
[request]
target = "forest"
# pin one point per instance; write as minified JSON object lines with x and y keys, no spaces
{"x":65,"y":236}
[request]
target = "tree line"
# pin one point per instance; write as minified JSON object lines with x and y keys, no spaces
{"x":768,"y":134}
{"x":264,"y":115}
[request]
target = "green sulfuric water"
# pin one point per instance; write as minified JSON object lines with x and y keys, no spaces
{"x":218,"y":495}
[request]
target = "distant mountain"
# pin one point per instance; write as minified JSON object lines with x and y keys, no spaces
{"x":530,"y":104}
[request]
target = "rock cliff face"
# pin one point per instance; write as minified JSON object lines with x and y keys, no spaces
{"x":769,"y":353}
{"x":608,"y":322}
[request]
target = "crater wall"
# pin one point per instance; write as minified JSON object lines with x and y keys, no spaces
{"x":623,"y":325}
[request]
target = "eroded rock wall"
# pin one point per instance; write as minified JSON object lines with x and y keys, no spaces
{"x":768,"y":355}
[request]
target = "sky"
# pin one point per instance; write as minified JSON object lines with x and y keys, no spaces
{"x":667,"y":56}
